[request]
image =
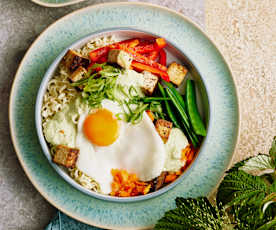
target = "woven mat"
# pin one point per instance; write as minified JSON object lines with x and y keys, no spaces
{"x":245,"y":32}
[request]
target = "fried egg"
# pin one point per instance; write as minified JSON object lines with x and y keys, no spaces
{"x":107,"y":143}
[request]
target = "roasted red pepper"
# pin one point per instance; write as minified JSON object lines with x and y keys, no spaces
{"x":142,"y":59}
{"x":95,"y":55}
{"x":152,"y":55}
{"x":162,"y":57}
{"x":144,"y":48}
{"x":98,"y":54}
{"x":161,"y":42}
{"x":129,"y":43}
{"x":103,"y":59}
{"x":141,"y":67}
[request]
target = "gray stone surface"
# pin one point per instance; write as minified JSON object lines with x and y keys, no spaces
{"x":21,"y":21}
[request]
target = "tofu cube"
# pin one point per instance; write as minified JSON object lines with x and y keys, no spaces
{"x":79,"y":74}
{"x":66,"y":156}
{"x":149,"y":83}
{"x":163,"y":128}
{"x":177,"y":73}
{"x":120,"y":57}
{"x":72,"y":60}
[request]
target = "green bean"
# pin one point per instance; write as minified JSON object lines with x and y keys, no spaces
{"x":186,"y":123}
{"x":178,"y":106}
{"x":192,"y":136}
{"x":168,"y":108}
{"x":193,"y":113}
{"x":150,"y":99}
{"x":176,"y":93}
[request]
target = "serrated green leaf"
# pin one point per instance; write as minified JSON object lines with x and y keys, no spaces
{"x":272,"y":152}
{"x":273,"y":187}
{"x":239,"y":164}
{"x":250,"y":217}
{"x":197,"y":214}
{"x":250,"y":200}
{"x":238,"y":186}
{"x":258,"y":165}
{"x":271,"y":225}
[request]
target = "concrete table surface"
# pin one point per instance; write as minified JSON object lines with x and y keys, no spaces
{"x":21,"y":21}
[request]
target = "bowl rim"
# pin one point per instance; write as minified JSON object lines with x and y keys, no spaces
{"x":55,"y":5}
{"x":43,"y":143}
{"x":15,"y":140}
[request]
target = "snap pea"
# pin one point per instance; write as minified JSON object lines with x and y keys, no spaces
{"x":177,"y":104}
{"x":176,"y":93}
{"x":192,"y":136}
{"x":168,"y":108}
{"x":185,"y":123}
{"x":196,"y":122}
{"x":180,"y":108}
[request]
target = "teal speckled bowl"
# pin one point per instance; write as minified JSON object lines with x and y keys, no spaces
{"x":215,"y":153}
{"x":173,"y":54}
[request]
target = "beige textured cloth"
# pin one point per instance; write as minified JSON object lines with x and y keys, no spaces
{"x":245,"y":32}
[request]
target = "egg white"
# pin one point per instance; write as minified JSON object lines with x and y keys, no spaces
{"x":138,"y":149}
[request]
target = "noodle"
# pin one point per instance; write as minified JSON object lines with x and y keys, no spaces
{"x":59,"y":93}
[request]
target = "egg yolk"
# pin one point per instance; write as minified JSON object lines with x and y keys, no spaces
{"x":101,"y":127}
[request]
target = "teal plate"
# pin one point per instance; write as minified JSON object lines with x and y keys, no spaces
{"x":214,"y":156}
{"x":56,"y":3}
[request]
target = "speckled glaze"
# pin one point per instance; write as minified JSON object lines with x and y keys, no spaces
{"x":56,"y":3}
{"x":216,"y":151}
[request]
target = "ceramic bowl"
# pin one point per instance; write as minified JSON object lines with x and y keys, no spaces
{"x":173,"y":54}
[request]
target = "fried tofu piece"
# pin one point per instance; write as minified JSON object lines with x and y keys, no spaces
{"x":177,"y":73}
{"x":66,"y":156}
{"x":72,"y":60}
{"x":160,"y":180}
{"x":163,"y":128}
{"x":149,"y":83}
{"x":120,"y":57}
{"x":79,"y":74}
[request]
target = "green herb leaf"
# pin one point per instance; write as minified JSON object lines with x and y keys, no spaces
{"x":249,"y":217}
{"x":244,"y":201}
{"x":197,"y":214}
{"x":272,"y":152}
{"x":269,"y":225}
{"x":238,"y":187}
{"x":258,"y":165}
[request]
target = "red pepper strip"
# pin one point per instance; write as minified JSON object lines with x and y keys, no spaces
{"x":142,"y":59}
{"x":95,"y":55}
{"x":162,"y":57}
{"x":103,"y":59}
{"x":190,"y":155}
{"x":141,"y":67}
{"x":161,"y":42}
{"x":149,"y":47}
{"x":146,"y":48}
{"x":152,"y":55}
{"x":129,"y":43}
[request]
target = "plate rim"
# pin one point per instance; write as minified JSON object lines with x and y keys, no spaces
{"x":56,"y":5}
{"x":100,"y":5}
